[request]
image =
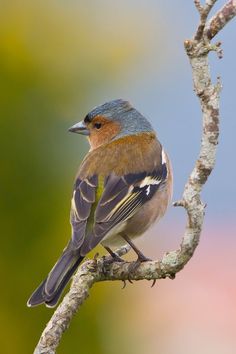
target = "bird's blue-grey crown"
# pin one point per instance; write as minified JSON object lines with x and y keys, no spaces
{"x":131,"y":121}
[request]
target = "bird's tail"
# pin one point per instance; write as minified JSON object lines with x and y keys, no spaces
{"x":49,"y":291}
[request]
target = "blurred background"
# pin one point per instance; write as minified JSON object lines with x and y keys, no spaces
{"x":59,"y":59}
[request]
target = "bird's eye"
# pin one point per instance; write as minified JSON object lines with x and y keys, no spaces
{"x":97,"y":125}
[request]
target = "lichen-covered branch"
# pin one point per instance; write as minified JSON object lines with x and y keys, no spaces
{"x":204,"y":12}
{"x":220,"y":19}
{"x":104,"y":269}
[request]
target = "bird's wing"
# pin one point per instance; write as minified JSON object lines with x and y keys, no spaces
{"x":121,"y":199}
{"x":83,"y":198}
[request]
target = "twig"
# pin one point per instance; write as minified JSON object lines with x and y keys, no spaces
{"x":220,"y":19}
{"x":102,"y":269}
{"x":204,"y":12}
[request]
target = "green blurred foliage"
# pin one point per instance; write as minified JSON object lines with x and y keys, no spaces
{"x":53,"y":58}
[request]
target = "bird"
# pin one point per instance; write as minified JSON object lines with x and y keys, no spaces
{"x":123,"y":186}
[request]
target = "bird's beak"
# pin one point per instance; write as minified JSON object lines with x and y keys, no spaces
{"x":79,"y":128}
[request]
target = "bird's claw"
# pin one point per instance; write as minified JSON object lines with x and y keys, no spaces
{"x":94,"y":265}
{"x":153,"y":283}
{"x":124,"y":283}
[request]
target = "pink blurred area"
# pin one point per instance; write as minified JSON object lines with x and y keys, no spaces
{"x":195,"y":313}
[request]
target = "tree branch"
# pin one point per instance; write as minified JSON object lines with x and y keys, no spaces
{"x":220,"y":19}
{"x":104,"y":269}
{"x":204,"y":12}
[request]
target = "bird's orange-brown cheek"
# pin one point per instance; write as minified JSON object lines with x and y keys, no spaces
{"x":103,"y":136}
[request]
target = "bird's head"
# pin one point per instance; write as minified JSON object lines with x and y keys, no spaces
{"x":110,"y":121}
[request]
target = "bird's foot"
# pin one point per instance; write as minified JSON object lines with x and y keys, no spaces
{"x":94,"y":265}
{"x":114,"y":256}
{"x":136,"y":264}
{"x":124,"y":283}
{"x":108,"y":261}
{"x":142,"y":258}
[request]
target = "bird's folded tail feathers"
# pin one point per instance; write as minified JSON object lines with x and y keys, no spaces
{"x":49,"y":291}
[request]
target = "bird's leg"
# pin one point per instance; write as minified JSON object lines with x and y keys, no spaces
{"x":141,"y":257}
{"x":108,"y":261}
{"x":114,"y":256}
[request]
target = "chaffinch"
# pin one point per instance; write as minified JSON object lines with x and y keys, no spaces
{"x":123,"y":185}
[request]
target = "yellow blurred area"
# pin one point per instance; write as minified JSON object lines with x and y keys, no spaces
{"x":62,"y":47}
